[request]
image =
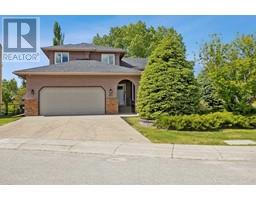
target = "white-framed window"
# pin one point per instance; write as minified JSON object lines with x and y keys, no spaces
{"x":108,"y":58}
{"x":61,"y":57}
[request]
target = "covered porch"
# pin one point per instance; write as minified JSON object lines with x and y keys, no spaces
{"x":126,"y":96}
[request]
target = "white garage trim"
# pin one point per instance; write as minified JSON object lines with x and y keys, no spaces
{"x":72,"y":100}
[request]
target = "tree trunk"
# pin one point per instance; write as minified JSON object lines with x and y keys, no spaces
{"x":6,"y":108}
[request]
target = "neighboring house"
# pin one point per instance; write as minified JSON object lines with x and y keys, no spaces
{"x":1,"y":65}
{"x":82,"y":79}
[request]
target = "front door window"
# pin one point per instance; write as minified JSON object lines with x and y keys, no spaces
{"x":121,"y":94}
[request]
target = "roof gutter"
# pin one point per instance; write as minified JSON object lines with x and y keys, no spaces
{"x":22,"y":74}
{"x":82,"y":49}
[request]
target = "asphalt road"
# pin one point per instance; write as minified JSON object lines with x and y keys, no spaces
{"x":44,"y":167}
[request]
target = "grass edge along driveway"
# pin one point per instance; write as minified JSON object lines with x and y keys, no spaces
{"x":190,"y":137}
{"x":8,"y":119}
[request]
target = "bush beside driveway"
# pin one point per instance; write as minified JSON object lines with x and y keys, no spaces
{"x":191,"y":137}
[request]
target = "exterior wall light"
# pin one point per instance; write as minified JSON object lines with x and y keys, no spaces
{"x":110,"y":92}
{"x":33,"y":92}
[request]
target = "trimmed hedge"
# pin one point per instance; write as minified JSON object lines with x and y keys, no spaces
{"x":213,"y":121}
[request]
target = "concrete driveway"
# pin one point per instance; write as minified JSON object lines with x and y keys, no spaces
{"x":106,"y":128}
{"x":106,"y":150}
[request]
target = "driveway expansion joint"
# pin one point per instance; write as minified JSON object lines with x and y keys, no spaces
{"x":116,"y":149}
{"x":172,"y":150}
{"x":218,"y":152}
{"x":107,"y":128}
{"x":20,"y":145}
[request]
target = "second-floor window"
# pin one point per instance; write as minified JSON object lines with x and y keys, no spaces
{"x":108,"y":58}
{"x":61,"y":57}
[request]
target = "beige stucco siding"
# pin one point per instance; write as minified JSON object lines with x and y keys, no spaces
{"x":36,"y":82}
{"x":82,"y":55}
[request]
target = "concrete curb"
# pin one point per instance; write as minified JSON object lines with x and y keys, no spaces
{"x":197,"y":152}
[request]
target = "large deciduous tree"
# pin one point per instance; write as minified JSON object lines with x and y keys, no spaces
{"x":58,"y":38}
{"x":168,"y":85}
{"x":18,"y":98}
{"x":10,"y":89}
{"x":232,"y":69}
{"x":137,"y":39}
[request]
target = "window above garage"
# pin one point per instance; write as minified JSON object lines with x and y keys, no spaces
{"x":108,"y":58}
{"x":61,"y":57}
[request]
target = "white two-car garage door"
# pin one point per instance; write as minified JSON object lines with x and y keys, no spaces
{"x":72,"y":101}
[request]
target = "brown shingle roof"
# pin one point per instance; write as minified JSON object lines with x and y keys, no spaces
{"x":80,"y":66}
{"x":83,"y":47}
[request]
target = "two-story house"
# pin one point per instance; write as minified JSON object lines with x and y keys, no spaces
{"x":82,"y":79}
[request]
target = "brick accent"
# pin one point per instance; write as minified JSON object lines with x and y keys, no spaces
{"x":111,"y":105}
{"x":31,"y":107}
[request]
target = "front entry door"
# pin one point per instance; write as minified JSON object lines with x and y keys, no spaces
{"x":121,"y":95}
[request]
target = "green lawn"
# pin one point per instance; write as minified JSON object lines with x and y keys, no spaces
{"x":190,"y":137}
{"x":8,"y":119}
